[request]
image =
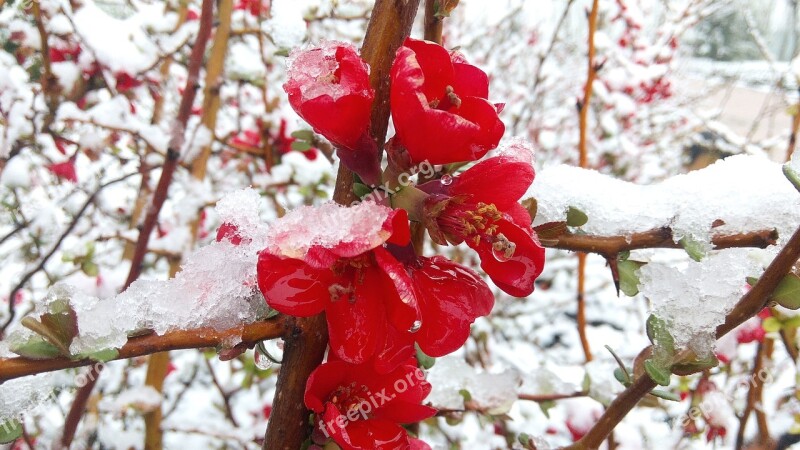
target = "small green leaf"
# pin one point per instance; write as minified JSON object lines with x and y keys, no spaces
{"x":576,"y":217}
{"x":303,"y":135}
{"x":629,"y":277}
{"x":282,"y":52}
{"x":425,"y":361}
{"x":622,"y":377}
{"x":694,"y":249}
{"x":300,"y":146}
{"x":771,"y":324}
{"x":658,"y":374}
{"x":666,"y":395}
{"x":524,"y":439}
{"x":36,"y":348}
{"x":465,"y":394}
{"x":752,"y":281}
{"x":792,"y":175}
{"x":659,"y":334}
{"x":787,"y":294}
{"x":361,"y":190}
{"x":546,"y":407}
{"x":104,"y":355}
{"x":10,"y":431}
{"x":90,"y":268}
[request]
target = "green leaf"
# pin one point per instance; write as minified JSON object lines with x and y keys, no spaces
{"x":282,"y":52}
{"x":361,"y":190}
{"x":10,"y":431}
{"x":752,"y":281}
{"x":300,"y":146}
{"x":629,"y":277}
{"x":105,"y":355}
{"x":546,"y":407}
{"x":792,"y":175}
{"x":465,"y":394}
{"x":658,"y":374}
{"x":524,"y":439}
{"x":771,"y":324}
{"x":695,"y":249}
{"x":36,"y":348}
{"x":425,"y":361}
{"x":659,"y":334}
{"x":666,"y":395}
{"x":576,"y":217}
{"x":304,"y":135}
{"x":622,"y":377}
{"x":787,"y":294}
{"x":90,"y":268}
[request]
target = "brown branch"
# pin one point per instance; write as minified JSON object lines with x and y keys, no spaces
{"x":793,"y":131}
{"x":656,"y":238}
{"x":591,"y":74}
{"x":581,"y":313}
{"x":48,"y":81}
{"x":433,"y":24}
{"x":306,"y":339}
{"x":251,"y":334}
{"x":549,"y":397}
{"x":754,"y":398}
{"x":748,"y":306}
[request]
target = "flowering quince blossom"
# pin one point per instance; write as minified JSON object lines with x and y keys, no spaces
{"x":64,"y":170}
{"x":439,"y":105}
{"x":480,"y":207}
{"x":331,"y":258}
{"x":328,"y":86}
{"x":361,"y":409}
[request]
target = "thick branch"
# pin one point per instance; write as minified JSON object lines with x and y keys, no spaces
{"x":251,"y":334}
{"x":656,"y":238}
{"x":433,"y":24}
{"x":307,"y":339}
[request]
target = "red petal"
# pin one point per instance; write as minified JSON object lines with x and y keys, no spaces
{"x":470,"y":81}
{"x":433,"y":62}
{"x":342,"y":121}
{"x":398,"y":225}
{"x":323,"y":381}
{"x":451,"y":298}
{"x":375,"y":434}
{"x":400,"y":298}
{"x":355,"y":328}
{"x":501,"y":180}
{"x":402,"y":412}
{"x":418,"y":444}
{"x":64,"y":170}
{"x":517,"y":275}
{"x":292,"y":286}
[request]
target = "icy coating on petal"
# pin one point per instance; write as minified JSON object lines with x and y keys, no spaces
{"x":359,"y":228}
{"x":517,"y":149}
{"x":314,"y":71}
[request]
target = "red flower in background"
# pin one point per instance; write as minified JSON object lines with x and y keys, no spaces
{"x":331,"y":258}
{"x":329,"y":88}
{"x":480,"y":207}
{"x":361,"y":409}
{"x":439,"y":105}
{"x":64,"y":170}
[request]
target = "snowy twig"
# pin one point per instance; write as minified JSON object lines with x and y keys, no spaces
{"x":610,"y":246}
{"x":48,"y":80}
{"x":748,"y":306}
{"x":251,"y":334}
{"x":306,"y":338}
{"x":43,"y":261}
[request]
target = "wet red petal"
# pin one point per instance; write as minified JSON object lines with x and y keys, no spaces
{"x":292,"y":286}
{"x":517,"y":275}
{"x":451,"y":298}
{"x":501,"y":180}
{"x":356,"y":324}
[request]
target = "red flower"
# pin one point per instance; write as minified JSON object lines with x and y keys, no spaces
{"x":439,"y":105}
{"x":329,"y":87}
{"x":64,"y":170}
{"x":361,"y":409}
{"x":332,"y":259}
{"x":125,"y":82}
{"x":480,"y":207}
{"x":450,"y":298}
{"x":230,"y":232}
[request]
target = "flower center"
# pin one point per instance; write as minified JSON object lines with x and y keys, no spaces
{"x":349,"y":270}
{"x":350,"y":398}
{"x":449,"y":100}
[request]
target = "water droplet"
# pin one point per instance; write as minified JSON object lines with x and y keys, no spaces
{"x":262,"y":362}
{"x":415,"y":326}
{"x":503,"y":249}
{"x":446,"y":180}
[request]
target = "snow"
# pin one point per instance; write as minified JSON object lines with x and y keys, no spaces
{"x":216,"y":288}
{"x":693,"y":298}
{"x":329,"y":225}
{"x":286,"y":26}
{"x":141,"y":398}
{"x":747,"y":193}
{"x":23,"y":395}
{"x":16,"y":174}
{"x":312,"y":71}
{"x":494,"y":393}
